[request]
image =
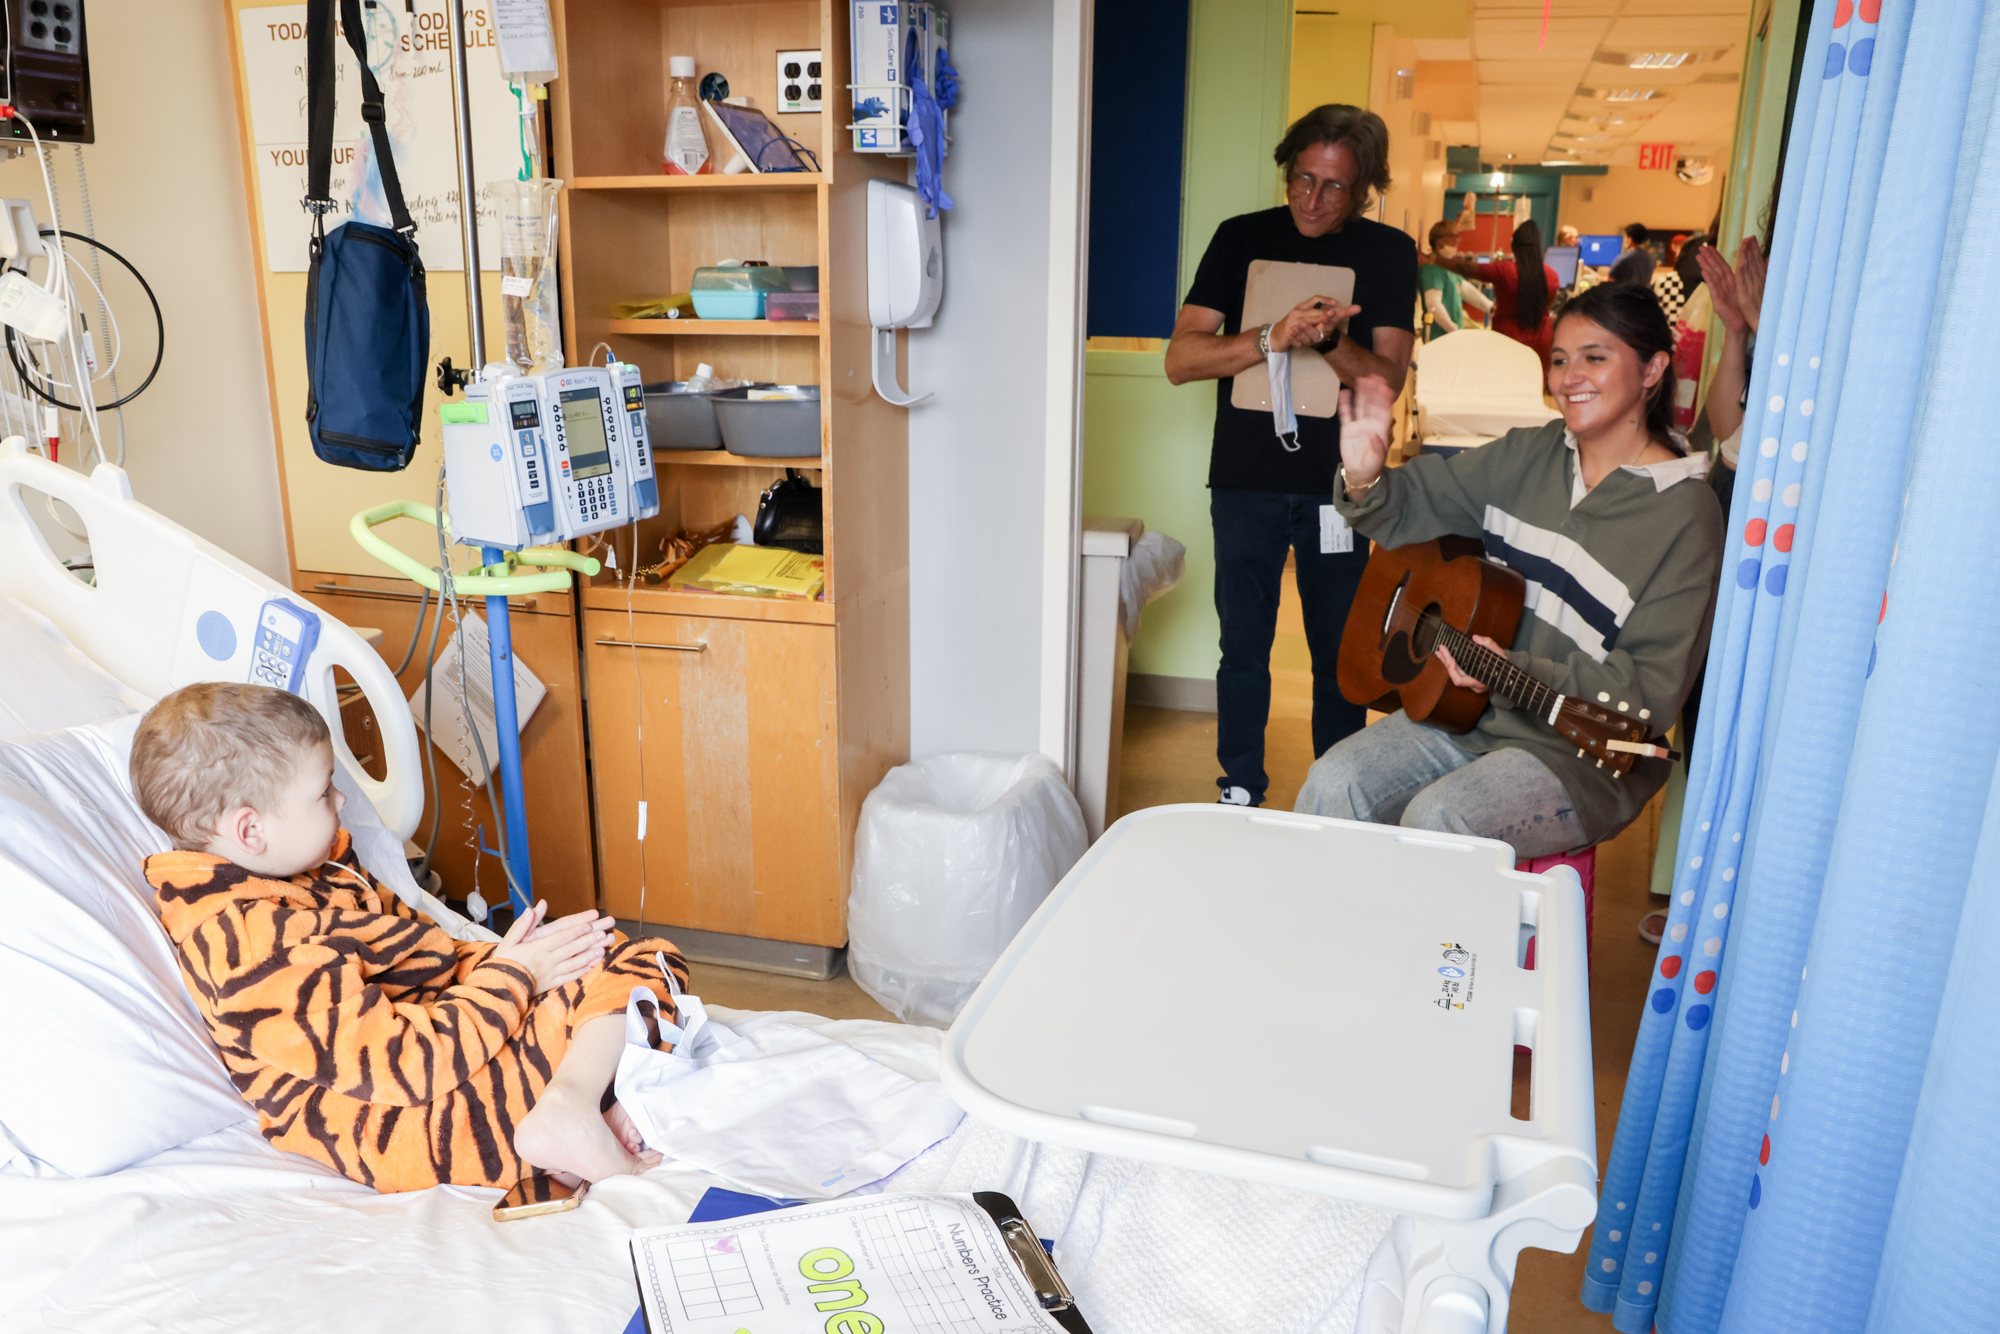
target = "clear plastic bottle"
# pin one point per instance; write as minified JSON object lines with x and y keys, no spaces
{"x":687,"y":148}
{"x":702,"y":380}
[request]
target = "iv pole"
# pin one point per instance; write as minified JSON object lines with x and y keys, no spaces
{"x":499,"y":631}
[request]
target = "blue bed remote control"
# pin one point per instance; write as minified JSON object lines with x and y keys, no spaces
{"x":286,"y":635}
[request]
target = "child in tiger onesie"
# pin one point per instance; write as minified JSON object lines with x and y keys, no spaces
{"x":361,"y":1033}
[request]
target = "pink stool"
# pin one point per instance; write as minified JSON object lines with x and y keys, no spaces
{"x":1585,"y":863}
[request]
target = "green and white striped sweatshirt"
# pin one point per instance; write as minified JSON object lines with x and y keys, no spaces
{"x":1621,"y":587}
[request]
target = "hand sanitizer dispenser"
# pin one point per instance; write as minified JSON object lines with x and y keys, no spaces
{"x":905,"y":278}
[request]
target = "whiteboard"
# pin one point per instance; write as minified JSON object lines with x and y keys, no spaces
{"x":411,"y":56}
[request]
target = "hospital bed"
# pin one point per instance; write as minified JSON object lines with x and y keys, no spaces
{"x":135,"y":1192}
{"x":1473,"y":385}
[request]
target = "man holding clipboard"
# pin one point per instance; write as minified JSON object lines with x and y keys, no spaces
{"x":1287,"y":305}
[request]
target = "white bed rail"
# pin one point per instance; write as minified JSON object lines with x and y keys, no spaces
{"x":156,"y":584}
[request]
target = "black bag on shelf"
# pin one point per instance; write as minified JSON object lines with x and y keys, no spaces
{"x":368,"y":321}
{"x":789,"y":516}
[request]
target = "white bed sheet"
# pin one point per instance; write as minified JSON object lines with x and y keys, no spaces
{"x":228,"y":1235}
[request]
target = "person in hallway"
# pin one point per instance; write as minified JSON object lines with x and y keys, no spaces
{"x":1522,"y":290}
{"x":1605,"y":512}
{"x":1688,"y":265}
{"x":1268,"y":493}
{"x":1446,"y":295}
{"x":1568,"y":235}
{"x":1635,"y":264}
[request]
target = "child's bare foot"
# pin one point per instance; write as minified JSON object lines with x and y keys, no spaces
{"x":564,"y":1132}
{"x":627,"y":1132}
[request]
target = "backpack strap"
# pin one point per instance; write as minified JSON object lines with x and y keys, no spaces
{"x":319,"y":115}
{"x":371,"y":111}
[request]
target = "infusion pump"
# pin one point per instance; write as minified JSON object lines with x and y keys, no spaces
{"x":540,"y":459}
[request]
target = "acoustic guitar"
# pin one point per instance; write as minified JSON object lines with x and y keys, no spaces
{"x":1414,"y":598}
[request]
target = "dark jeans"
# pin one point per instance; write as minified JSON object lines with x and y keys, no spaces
{"x":1253,"y":530}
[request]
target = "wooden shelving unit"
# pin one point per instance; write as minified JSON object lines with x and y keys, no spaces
{"x":715,"y":328}
{"x":784,"y":180}
{"x":765,"y":722}
{"x":722,"y":458}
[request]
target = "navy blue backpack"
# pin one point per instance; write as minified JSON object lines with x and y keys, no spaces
{"x":368,"y":322}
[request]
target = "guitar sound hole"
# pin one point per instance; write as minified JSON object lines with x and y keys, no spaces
{"x":1402,"y":660}
{"x":1427,"y":631}
{"x":1398,"y":667}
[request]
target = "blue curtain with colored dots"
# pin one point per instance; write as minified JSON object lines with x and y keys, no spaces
{"x":1808,"y":1137}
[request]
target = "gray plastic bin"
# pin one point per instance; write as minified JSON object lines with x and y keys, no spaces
{"x":770,"y":428}
{"x":676,"y":419}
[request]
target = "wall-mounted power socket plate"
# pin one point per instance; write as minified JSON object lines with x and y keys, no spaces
{"x":799,"y":85}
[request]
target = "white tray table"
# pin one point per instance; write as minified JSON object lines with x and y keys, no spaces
{"x":1317,"y":1004}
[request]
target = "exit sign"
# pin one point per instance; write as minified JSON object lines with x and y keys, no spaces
{"x":1656,"y":157}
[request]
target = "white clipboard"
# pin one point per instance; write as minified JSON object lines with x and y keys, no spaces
{"x":1272,"y":289}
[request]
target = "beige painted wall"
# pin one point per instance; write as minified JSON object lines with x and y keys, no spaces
{"x":166,"y":189}
{"x":1625,"y":194}
{"x":1416,"y":163}
{"x":1330,"y":61}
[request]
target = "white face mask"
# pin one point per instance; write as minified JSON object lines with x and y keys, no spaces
{"x":1283,"y":420}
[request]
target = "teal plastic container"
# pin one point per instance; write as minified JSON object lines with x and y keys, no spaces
{"x":735,"y":293}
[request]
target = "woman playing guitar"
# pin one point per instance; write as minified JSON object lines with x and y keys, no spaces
{"x":1604,"y":514}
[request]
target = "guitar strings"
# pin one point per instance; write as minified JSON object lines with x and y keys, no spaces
{"x":1520,"y":687}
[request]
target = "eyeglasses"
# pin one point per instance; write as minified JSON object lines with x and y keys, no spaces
{"x":1304,"y":185}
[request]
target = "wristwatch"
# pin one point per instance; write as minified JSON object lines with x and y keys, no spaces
{"x":1264,"y":341}
{"x":1328,"y":344}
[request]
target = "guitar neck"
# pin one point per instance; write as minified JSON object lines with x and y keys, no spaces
{"x":1616,"y":740}
{"x":1498,"y":674}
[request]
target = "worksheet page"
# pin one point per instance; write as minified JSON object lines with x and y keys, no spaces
{"x":912,"y":1264}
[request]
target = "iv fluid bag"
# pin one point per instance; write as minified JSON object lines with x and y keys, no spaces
{"x":526,"y":215}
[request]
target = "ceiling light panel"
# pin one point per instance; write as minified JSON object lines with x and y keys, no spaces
{"x":1660,"y":59}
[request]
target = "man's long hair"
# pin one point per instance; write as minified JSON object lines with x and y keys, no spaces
{"x":1359,"y":131}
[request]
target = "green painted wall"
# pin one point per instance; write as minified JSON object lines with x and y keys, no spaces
{"x":1145,"y":443}
{"x":1239,"y":52}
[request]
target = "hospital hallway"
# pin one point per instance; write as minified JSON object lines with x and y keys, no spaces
{"x":1169,"y":756}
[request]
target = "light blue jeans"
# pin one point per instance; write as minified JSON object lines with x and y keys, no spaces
{"x":1400,"y":772}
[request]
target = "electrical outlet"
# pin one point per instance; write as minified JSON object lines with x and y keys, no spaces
{"x":799,"y":86}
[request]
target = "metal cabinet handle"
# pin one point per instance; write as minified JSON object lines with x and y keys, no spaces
{"x":396,"y":595}
{"x":632,"y":643}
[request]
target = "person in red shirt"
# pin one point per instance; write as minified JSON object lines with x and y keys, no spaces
{"x":1522,"y":289}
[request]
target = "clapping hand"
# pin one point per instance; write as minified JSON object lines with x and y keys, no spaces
{"x":1308,"y":323}
{"x":1367,"y":419}
{"x":1738,"y":293}
{"x":557,"y":952}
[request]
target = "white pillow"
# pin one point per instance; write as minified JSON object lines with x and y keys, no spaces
{"x":46,"y":682}
{"x":108,"y":1062}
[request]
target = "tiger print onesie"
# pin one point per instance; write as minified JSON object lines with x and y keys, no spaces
{"x":364,"y":1035}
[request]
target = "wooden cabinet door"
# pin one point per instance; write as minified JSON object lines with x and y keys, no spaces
{"x":729,"y":739}
{"x":552,"y":760}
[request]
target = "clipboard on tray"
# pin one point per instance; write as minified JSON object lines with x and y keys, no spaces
{"x":1037,"y":1266}
{"x":1273,"y":288}
{"x":1030,"y":1258}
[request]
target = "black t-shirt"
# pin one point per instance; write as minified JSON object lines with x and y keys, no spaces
{"x":1247,"y":454}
